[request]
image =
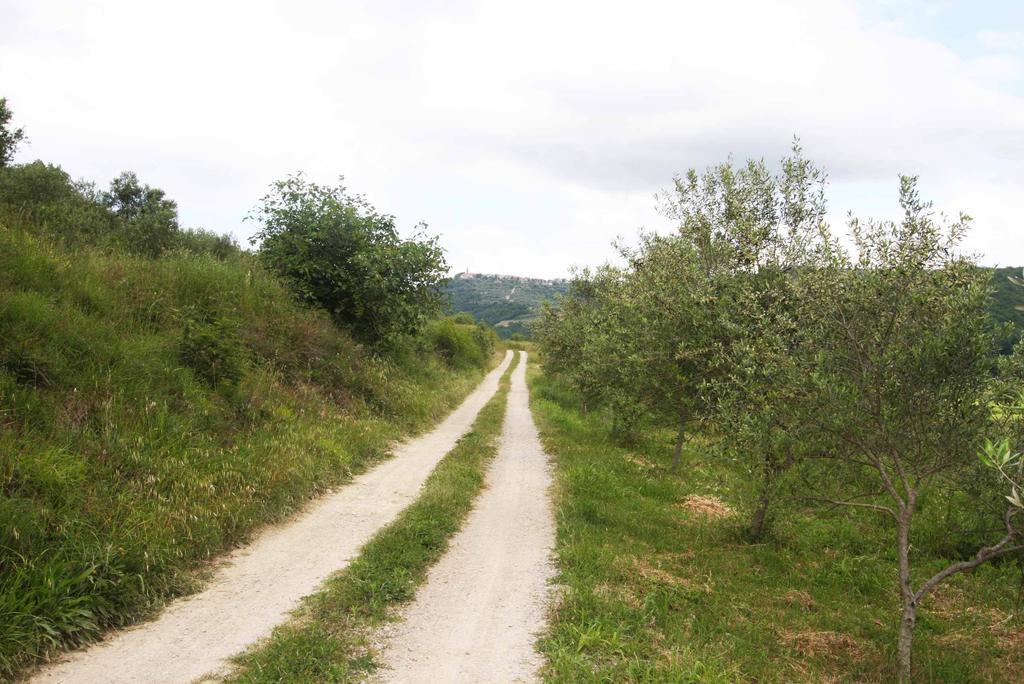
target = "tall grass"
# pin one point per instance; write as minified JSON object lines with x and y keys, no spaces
{"x":154,"y":412}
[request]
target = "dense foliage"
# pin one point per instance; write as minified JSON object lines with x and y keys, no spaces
{"x":855,"y":378}
{"x":10,"y":137}
{"x":342,"y":255}
{"x":129,"y":217}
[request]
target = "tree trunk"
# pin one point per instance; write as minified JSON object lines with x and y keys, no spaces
{"x":757,"y":522}
{"x":909,"y":618}
{"x":677,"y":457}
{"x":906,"y":640}
{"x":769,"y":466}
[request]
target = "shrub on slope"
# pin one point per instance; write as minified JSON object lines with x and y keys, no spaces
{"x":153,"y":412}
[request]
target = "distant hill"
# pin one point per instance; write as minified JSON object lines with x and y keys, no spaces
{"x":1008,"y":302}
{"x":506,"y":302}
{"x":510,"y":302}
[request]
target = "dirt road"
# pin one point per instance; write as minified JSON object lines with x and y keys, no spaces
{"x":476,"y":618}
{"x":261,"y":583}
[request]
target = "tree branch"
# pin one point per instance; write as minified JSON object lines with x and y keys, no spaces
{"x":984,"y":555}
{"x":855,"y":504}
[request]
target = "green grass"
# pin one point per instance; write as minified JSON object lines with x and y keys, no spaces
{"x":656,"y":591}
{"x":329,"y":638}
{"x":155,"y":412}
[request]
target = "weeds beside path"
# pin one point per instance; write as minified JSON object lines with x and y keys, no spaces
{"x":156,"y":413}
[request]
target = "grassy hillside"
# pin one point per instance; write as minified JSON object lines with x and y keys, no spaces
{"x":155,"y":411}
{"x":506,"y":302}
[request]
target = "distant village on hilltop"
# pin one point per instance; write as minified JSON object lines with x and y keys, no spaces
{"x":466,"y":275}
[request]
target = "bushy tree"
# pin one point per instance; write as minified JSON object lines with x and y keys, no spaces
{"x":896,"y":359}
{"x":682,"y":331}
{"x":10,"y":138}
{"x":43,"y":196}
{"x":339,"y":253}
{"x":27,"y":185}
{"x":774,"y":224}
{"x":588,"y":340}
{"x":1004,"y":452}
{"x":721,"y":302}
{"x":149,"y":217}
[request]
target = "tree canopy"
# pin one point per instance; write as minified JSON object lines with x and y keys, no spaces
{"x":344,"y":256}
{"x":10,"y":138}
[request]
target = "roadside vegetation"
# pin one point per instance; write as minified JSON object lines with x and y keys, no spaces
{"x":164,"y":393}
{"x":661,"y":583}
{"x":331,"y":637}
{"x":862,"y":375}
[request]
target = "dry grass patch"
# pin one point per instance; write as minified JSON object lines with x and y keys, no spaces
{"x":823,"y":644}
{"x":635,"y":566}
{"x":638,"y":460}
{"x":797,"y":598}
{"x":618,"y":593}
{"x":711,"y":507}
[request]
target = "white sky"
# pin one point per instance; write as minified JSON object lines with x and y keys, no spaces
{"x":528,"y":134}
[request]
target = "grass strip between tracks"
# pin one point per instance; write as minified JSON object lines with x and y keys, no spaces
{"x":330,"y":637}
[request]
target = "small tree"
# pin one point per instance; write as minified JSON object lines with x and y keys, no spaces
{"x":897,"y":357}
{"x":149,"y":217}
{"x":582,"y":340}
{"x":340,"y":254}
{"x":747,"y":232}
{"x":10,"y":138}
{"x":679,"y":331}
{"x":1003,"y":454}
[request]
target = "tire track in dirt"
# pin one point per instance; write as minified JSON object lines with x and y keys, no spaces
{"x":478,"y":615}
{"x":260,"y":583}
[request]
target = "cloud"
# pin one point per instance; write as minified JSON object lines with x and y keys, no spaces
{"x":1001,"y":40}
{"x":530,"y":134}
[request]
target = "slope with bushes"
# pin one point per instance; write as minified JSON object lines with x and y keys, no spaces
{"x":153,"y":412}
{"x":162,"y":395}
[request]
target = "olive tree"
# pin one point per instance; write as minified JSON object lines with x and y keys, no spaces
{"x":680,"y":331}
{"x":586,"y":338}
{"x":747,"y":232}
{"x":896,"y":357}
{"x":683,"y":329}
